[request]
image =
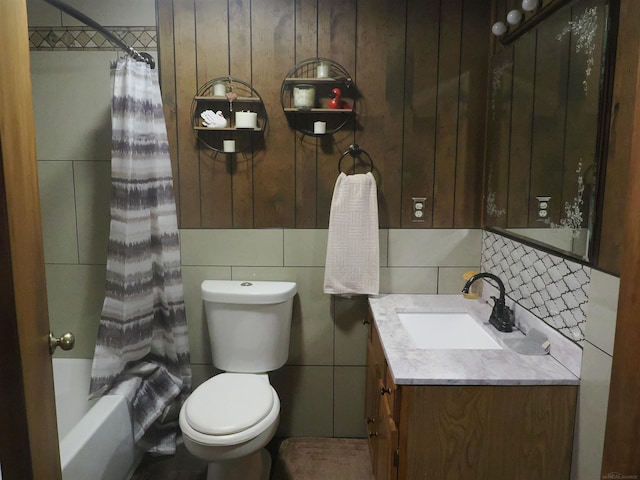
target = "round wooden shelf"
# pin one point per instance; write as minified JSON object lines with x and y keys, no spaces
{"x":246,"y":98}
{"x":306,"y":73}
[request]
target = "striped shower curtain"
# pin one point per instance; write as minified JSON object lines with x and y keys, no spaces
{"x":142,"y":349}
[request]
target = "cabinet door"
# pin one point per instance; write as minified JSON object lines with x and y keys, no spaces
{"x":387,"y":440}
{"x":372,"y":397}
{"x":392,"y":393}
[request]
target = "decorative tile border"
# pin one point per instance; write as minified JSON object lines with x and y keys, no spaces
{"x":85,"y":38}
{"x":551,"y":287}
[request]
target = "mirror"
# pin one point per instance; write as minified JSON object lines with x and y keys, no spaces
{"x":543,"y":130}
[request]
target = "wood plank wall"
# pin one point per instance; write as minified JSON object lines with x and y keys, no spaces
{"x":421,"y":73}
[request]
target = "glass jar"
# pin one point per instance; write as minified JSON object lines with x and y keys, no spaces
{"x":304,"y":96}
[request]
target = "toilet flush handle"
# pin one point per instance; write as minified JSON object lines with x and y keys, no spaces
{"x":65,"y":342}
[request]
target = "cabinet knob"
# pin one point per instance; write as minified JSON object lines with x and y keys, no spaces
{"x":365,"y":321}
{"x":373,"y":434}
{"x":384,"y":390}
{"x":371,"y":420}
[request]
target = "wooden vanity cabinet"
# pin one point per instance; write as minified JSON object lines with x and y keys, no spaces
{"x":379,"y":411}
{"x":433,"y":432}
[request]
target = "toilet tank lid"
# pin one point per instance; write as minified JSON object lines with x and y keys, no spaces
{"x":247,"y":292}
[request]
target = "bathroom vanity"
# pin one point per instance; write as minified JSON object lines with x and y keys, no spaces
{"x":486,"y":413}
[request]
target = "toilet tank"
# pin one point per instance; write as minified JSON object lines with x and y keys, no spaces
{"x":249,"y":323}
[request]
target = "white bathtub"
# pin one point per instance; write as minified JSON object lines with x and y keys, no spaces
{"x":96,"y":439}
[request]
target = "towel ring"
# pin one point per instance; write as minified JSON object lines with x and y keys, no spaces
{"x":355,"y":151}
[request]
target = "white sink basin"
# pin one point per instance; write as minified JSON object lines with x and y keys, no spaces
{"x":429,"y":330}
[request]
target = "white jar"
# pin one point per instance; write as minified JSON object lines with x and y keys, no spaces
{"x":219,"y":89}
{"x":246,"y":119}
{"x":229,"y":146}
{"x":322,"y":70}
{"x":319,"y":128}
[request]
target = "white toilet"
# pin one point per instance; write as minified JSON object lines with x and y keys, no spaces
{"x":230,"y":418}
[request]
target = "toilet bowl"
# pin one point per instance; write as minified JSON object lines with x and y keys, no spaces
{"x":230,"y":418}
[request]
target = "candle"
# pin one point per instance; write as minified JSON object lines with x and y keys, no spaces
{"x":219,"y":89}
{"x":304,"y":96}
{"x":229,"y":146}
{"x":319,"y":128}
{"x":246,"y":120}
{"x":322,"y":70}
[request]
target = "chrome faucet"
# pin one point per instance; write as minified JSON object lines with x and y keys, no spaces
{"x":501,"y":315}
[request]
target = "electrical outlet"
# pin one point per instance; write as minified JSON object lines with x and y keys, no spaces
{"x":543,"y":209}
{"x":417,"y":213}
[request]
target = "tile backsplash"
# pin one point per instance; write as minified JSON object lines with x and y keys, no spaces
{"x":84,"y":38}
{"x":551,"y":287}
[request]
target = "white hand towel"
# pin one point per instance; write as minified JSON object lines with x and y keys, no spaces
{"x":353,"y":258}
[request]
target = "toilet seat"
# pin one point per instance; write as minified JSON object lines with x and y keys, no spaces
{"x":228,"y":409}
{"x":229,"y":403}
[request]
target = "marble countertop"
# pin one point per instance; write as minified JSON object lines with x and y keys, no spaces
{"x":412,"y":366}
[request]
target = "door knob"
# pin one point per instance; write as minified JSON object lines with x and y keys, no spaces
{"x":65,"y":342}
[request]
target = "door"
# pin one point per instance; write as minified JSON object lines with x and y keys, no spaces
{"x":28,"y":433}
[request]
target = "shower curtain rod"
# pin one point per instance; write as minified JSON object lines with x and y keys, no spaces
{"x":141,"y":56}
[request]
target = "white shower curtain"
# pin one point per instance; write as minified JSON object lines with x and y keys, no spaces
{"x":142,"y":349}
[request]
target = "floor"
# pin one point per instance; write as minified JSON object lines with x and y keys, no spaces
{"x":181,"y":466}
{"x":292,"y":459}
